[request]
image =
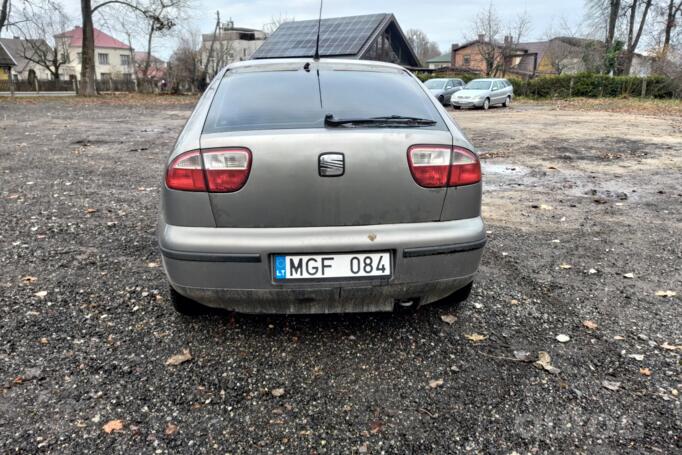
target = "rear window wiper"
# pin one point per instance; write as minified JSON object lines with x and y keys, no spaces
{"x":390,"y":120}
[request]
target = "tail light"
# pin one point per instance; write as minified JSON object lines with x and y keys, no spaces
{"x":186,"y":173}
{"x":215,"y":170}
{"x":436,"y":166}
{"x":227,"y":170}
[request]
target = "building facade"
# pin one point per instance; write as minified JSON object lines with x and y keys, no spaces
{"x":113,"y":58}
{"x":22,"y":51}
{"x":230,"y":44}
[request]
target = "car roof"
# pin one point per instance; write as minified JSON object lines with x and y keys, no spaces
{"x":274,"y":63}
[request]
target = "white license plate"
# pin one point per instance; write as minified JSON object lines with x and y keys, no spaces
{"x":321,"y":266}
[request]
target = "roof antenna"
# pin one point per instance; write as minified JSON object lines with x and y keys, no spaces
{"x":316,"y":57}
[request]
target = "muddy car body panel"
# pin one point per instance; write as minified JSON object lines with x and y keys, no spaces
{"x":336,"y":176}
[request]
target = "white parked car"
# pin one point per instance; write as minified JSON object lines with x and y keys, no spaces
{"x":484,"y":93}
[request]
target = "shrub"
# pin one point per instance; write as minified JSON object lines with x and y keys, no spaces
{"x":593,"y":85}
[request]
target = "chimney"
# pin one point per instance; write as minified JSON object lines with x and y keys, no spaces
{"x":508,"y":40}
{"x":481,"y":37}
{"x":454,"y":46}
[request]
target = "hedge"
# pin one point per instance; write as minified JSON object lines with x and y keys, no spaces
{"x":588,"y":85}
{"x":595,"y":86}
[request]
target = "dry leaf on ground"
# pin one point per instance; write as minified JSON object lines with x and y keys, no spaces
{"x":670,"y":347}
{"x":645,"y":371}
{"x":277,"y":392}
{"x":170,"y":429}
{"x":448,"y":318}
{"x":177,"y":359}
{"x":590,"y":325}
{"x":628,"y":275}
{"x":113,"y":425}
{"x":28,"y":279}
{"x":435,"y":383}
{"x":544,"y":362}
{"x":41,"y":294}
{"x":666,"y":293}
{"x":475,"y":337}
{"x":566,"y":266}
{"x":152,"y":265}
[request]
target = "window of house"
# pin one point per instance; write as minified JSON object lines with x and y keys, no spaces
{"x":103,"y":59}
{"x":467,"y":60}
{"x":125,"y":60}
{"x":105,"y":76}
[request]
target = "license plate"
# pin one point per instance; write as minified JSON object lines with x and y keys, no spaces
{"x":332,"y":266}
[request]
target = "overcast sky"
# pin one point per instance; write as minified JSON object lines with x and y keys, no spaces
{"x":444,"y":21}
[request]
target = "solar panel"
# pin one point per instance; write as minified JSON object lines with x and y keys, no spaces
{"x":338,"y":36}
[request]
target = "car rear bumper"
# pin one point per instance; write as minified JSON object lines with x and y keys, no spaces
{"x":231,"y":268}
{"x":467,"y":103}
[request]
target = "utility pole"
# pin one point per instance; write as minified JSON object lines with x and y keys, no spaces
{"x":204,"y":73}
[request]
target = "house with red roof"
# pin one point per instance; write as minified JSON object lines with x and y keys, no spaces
{"x":113,"y":58}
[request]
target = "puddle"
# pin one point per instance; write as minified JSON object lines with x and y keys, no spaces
{"x":503,"y":169}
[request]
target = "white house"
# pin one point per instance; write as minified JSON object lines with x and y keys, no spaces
{"x":113,"y":58}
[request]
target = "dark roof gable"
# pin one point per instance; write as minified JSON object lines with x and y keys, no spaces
{"x":6,"y":59}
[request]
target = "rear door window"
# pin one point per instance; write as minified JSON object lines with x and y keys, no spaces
{"x":367,"y":94}
{"x":265,"y":100}
{"x":296,"y":99}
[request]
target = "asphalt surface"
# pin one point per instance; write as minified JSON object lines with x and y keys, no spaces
{"x":87,"y":328}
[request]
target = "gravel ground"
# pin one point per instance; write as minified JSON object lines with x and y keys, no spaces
{"x":575,"y":202}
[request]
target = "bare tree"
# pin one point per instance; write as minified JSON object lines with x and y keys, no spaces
{"x":635,"y":28}
{"x":184,"y":67}
{"x":488,"y":27}
{"x":671,"y":9}
{"x":276,"y":21}
{"x":422,"y":46}
{"x":4,"y":13}
{"x":88,"y":77}
{"x":516,"y":32}
{"x":37,"y":24}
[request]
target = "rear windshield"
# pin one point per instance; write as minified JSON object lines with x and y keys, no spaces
{"x":479,"y":85}
{"x":435,"y":83}
{"x":296,"y":99}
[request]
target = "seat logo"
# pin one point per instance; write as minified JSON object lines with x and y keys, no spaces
{"x":332,"y":165}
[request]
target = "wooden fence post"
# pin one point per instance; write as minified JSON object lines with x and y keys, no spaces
{"x":644,"y":87}
{"x":35,"y":84}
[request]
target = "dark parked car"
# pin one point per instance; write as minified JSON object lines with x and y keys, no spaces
{"x":443,"y":89}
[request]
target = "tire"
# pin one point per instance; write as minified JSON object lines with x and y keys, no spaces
{"x":462,"y":294}
{"x":441,"y":99}
{"x":507,"y":102}
{"x":457,"y":107}
{"x":185,"y":306}
{"x":486,"y":104}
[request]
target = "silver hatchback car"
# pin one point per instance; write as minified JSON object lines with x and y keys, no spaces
{"x":484,"y":93}
{"x":301,"y":186}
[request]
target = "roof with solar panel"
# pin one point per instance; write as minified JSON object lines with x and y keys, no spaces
{"x":368,"y":37}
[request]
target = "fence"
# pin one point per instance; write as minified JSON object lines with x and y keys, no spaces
{"x":104,"y":85}
{"x":36,"y":86}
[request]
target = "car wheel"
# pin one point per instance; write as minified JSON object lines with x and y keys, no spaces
{"x":507,"y":102}
{"x":457,"y":107}
{"x":185,"y":306}
{"x":486,"y":104}
{"x":441,"y":99}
